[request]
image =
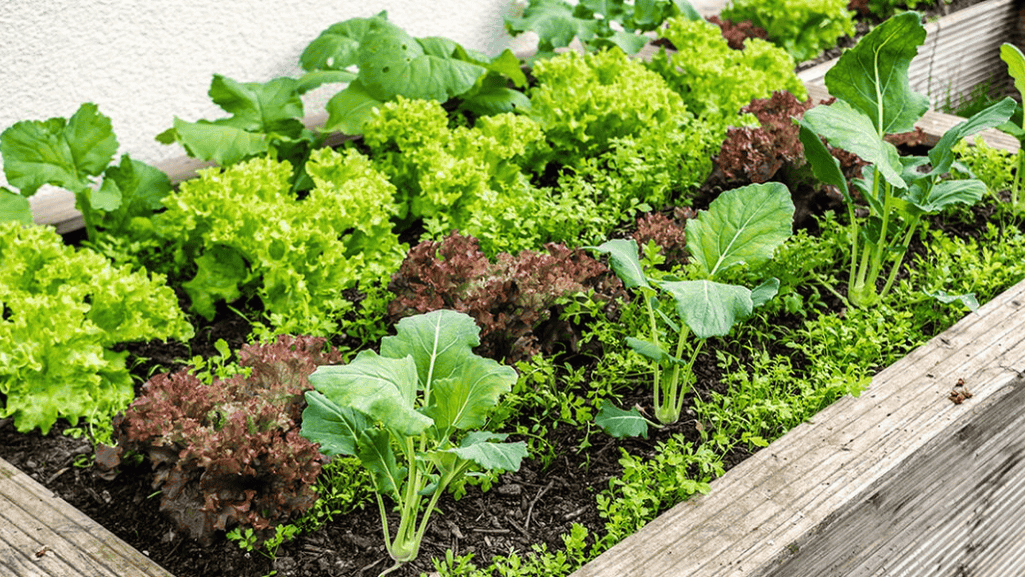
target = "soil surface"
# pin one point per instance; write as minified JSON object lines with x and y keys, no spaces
{"x":532,"y":506}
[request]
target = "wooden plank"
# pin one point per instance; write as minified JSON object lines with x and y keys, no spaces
{"x":777,"y":505}
{"x":41,"y":534}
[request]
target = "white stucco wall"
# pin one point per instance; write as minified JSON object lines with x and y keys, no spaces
{"x":145,"y":61}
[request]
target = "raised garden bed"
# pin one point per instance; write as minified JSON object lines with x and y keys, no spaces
{"x":861,"y":432}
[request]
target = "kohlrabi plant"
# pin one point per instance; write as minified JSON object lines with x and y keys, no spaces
{"x":875,"y":99}
{"x":597,"y":24}
{"x":743,"y":227}
{"x":1015,"y":61}
{"x":388,"y":62}
{"x":414,"y":416}
{"x":77,"y":154}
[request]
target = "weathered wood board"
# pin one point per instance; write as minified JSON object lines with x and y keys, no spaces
{"x":43,"y":536}
{"x":899,"y":477}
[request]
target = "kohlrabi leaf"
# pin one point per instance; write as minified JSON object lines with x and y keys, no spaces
{"x":624,"y":261}
{"x":478,"y":446}
{"x":273,"y":106}
{"x":14,"y":206}
{"x":849,"y":129}
{"x":872,"y":77}
{"x":60,"y":152}
{"x":619,"y":423}
{"x":824,"y":165}
{"x":1015,"y":60}
{"x":628,"y":42}
{"x":391,"y":63}
{"x":968,"y":300}
{"x":337,"y":47}
{"x":463,"y":400}
{"x":709,"y":308}
{"x":933,"y":199}
{"x":336,"y":429}
{"x":554,"y":22}
{"x":377,"y":455}
{"x":942,"y":155}
{"x":764,"y":292}
{"x":439,"y":342}
{"x":318,"y":78}
{"x":744,"y":225}
{"x":222,"y":143}
{"x":384,"y":389}
{"x":350,"y":109}
{"x":646,"y":349}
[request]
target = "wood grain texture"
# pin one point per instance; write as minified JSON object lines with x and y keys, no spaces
{"x":774,"y":513}
{"x":42,"y":535}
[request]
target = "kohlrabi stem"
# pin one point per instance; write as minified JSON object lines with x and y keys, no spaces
{"x":654,"y":339}
{"x":900,"y":257}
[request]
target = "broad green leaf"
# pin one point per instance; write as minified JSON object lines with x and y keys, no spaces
{"x":508,"y":65}
{"x":942,"y":155}
{"x":624,"y":261}
{"x":337,"y":47}
{"x":439,"y":342}
{"x":968,"y":300}
{"x":376,"y":454}
{"x":350,"y":109}
{"x":58,"y":152}
{"x":619,"y":423}
{"x":824,"y":165}
{"x":143,"y":187}
{"x":496,"y":100}
{"x":317,"y":78}
{"x":554,"y":22}
{"x":872,"y":77}
{"x":463,"y":401}
{"x":335,"y":429}
{"x":744,"y":225}
{"x":14,"y":206}
{"x":647,"y":349}
{"x":628,"y":42}
{"x":709,"y":308}
{"x":219,"y":142}
{"x":1015,"y":61}
{"x":384,"y":389}
{"x":274,"y":106}
{"x":945,"y":193}
{"x":764,"y":292}
{"x":479,"y":448}
{"x":391,"y":63}
{"x":107,"y":198}
{"x":849,"y":129}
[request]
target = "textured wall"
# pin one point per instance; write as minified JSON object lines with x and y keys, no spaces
{"x":145,"y":61}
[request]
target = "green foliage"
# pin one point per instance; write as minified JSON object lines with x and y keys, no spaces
{"x":993,"y":166}
{"x":62,"y":312}
{"x":538,"y":561}
{"x":716,"y":81}
{"x":73,"y":154}
{"x":585,"y":101}
{"x":804,"y":28}
{"x":391,"y":63}
{"x":651,"y":484}
{"x":742,"y":227}
{"x":450,"y":177}
{"x":266,"y":120}
{"x":414,"y":414}
{"x":598,"y":24}
{"x":1015,"y":60}
{"x":875,"y":99}
{"x":248,"y":234}
{"x":883,"y":9}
